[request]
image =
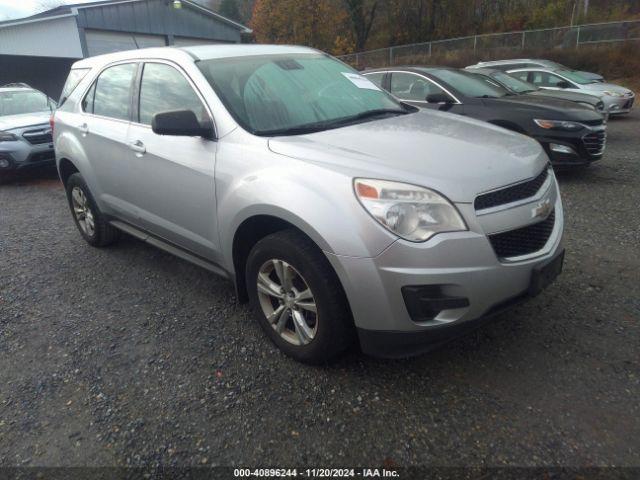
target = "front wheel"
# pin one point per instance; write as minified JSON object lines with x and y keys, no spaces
{"x":297,"y":298}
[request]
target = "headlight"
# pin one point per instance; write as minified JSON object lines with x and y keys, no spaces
{"x":559,"y":125}
{"x":413,"y":213}
{"x":7,"y":137}
{"x":613,"y":94}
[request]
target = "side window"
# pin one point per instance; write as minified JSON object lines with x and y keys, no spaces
{"x":545,"y":79}
{"x":407,"y":86}
{"x":521,"y":75}
{"x":377,"y":78}
{"x":87,"y":101}
{"x":112,"y":92}
{"x":164,"y":89}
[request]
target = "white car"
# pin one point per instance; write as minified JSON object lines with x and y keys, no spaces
{"x":617,"y":99}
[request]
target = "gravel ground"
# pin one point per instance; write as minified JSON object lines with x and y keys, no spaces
{"x":128,"y":356}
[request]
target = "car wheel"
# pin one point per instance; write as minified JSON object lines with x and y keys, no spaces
{"x":90,"y":221}
{"x":297,"y":298}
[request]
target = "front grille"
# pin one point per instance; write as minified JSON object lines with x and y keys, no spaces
{"x":523,"y":241}
{"x":595,"y":142}
{"x":593,"y":123}
{"x":38,"y":137}
{"x":511,"y":194}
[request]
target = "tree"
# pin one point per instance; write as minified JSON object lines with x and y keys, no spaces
{"x":362,"y":14}
{"x":230,"y":9}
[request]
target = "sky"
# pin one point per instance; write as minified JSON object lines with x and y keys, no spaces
{"x":10,"y":9}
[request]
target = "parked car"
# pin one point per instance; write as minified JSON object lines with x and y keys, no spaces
{"x":518,"y":86}
{"x":25,"y":134}
{"x":335,"y":209}
{"x":571,"y":134}
{"x":515,"y":63}
{"x":617,"y":99}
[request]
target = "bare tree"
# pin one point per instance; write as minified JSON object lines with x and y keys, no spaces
{"x":362,"y":14}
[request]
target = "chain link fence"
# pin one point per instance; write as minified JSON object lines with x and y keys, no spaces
{"x":494,"y":43}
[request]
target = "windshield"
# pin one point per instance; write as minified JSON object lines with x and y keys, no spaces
{"x":23,"y":101}
{"x":574,"y":76}
{"x":469,"y":84}
{"x":295,"y":93}
{"x":513,"y":84}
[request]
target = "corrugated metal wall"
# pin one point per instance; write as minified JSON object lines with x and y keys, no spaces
{"x":157,"y":17}
{"x":57,"y":38}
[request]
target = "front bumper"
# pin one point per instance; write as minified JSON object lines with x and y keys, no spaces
{"x":619,"y":105}
{"x":394,"y":344}
{"x":567,"y":149}
{"x":461,"y":264}
{"x":20,"y":155}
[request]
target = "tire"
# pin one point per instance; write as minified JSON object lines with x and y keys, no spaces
{"x":101,"y":234}
{"x":331,"y":326}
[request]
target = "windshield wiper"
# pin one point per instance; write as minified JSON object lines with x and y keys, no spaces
{"x":319,"y":126}
{"x":487,"y":96}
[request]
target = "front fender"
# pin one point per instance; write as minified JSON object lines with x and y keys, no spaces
{"x":318,"y":201}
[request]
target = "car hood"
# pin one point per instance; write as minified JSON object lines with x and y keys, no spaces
{"x":590,"y":98}
{"x":606,"y":87}
{"x":591,"y":76}
{"x":9,"y":122}
{"x":457,"y":156}
{"x":539,"y":105}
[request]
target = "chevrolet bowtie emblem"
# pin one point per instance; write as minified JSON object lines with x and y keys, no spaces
{"x":542,"y":210}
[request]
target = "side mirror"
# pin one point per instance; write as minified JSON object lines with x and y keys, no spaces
{"x":563,"y":84}
{"x":439,"y":98}
{"x":180,"y":123}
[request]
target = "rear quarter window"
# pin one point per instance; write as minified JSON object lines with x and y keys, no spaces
{"x":73,"y":80}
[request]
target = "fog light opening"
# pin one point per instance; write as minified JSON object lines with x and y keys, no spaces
{"x":562,"y":149}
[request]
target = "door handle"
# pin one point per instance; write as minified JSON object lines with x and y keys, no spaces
{"x":84,"y":129}
{"x":138,"y":147}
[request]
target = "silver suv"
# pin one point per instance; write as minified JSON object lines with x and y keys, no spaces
{"x":337,"y":211}
{"x":25,"y":134}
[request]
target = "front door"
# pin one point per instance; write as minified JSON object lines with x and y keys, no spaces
{"x":175,"y":175}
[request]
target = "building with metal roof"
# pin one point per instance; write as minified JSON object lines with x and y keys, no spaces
{"x":40,"y":49}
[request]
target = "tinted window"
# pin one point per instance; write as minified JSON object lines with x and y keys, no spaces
{"x":518,"y":85}
{"x":164,"y":89}
{"x":408,"y":86}
{"x":276,"y":94}
{"x":113,"y":92}
{"x":376,"y":78}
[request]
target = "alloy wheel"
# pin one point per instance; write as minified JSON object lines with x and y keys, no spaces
{"x":82,"y":211}
{"x":287,"y":302}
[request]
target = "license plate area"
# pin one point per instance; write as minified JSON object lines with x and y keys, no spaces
{"x":545,"y":275}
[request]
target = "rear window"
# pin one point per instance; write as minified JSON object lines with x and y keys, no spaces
{"x":73,"y":80}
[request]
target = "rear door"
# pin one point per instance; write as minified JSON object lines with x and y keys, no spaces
{"x":103,"y":128}
{"x":174,"y":175}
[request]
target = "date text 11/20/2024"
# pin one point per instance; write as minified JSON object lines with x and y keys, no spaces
{"x":315,"y":473}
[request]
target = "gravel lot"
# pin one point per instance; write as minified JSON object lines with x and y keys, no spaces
{"x":128,"y":356}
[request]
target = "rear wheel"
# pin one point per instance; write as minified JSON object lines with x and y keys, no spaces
{"x":91,"y":223}
{"x":297,"y":298}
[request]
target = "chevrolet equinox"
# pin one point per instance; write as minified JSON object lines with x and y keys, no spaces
{"x":339,"y":212}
